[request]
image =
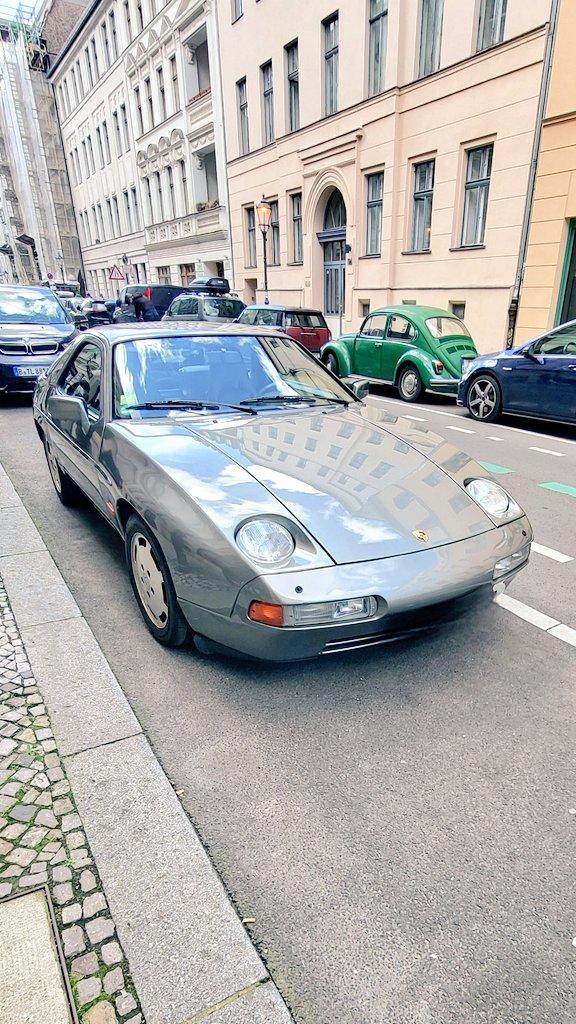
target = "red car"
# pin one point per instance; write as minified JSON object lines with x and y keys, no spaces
{"x":307,"y":326}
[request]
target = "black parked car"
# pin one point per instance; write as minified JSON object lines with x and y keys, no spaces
{"x":160,"y":295}
{"x":34,"y":328}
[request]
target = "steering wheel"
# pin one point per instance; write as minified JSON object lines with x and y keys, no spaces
{"x":570,"y":348}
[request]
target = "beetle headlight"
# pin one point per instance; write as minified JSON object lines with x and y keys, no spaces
{"x":265,"y":541}
{"x":493,"y":499}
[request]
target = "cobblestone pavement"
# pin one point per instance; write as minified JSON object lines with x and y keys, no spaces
{"x":42,"y":842}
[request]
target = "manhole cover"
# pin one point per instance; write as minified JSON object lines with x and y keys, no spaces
{"x":33,"y":989}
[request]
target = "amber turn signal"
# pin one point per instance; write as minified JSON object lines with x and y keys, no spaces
{"x":269,"y":614}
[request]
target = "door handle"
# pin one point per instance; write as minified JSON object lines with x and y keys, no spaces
{"x":377,"y":344}
{"x":572,"y":366}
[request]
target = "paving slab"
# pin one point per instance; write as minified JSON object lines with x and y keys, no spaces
{"x":263,"y":1005}
{"x":32,"y":988}
{"x":86,"y":705}
{"x":8,"y":496}
{"x":37,"y":591}
{"x":18,"y":533}
{"x":186,"y":946}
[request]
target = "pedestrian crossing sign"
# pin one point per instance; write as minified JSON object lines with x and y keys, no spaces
{"x":115,"y":274}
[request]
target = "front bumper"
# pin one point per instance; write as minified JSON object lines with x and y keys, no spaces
{"x":12,"y":382}
{"x":415,"y":592}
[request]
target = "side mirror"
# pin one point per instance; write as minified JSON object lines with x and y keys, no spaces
{"x":529,"y":353}
{"x":70,"y":410}
{"x":118,"y":303}
{"x":361,"y":388}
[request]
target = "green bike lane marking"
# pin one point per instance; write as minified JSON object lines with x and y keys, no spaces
{"x":493,"y":468}
{"x":560,"y":488}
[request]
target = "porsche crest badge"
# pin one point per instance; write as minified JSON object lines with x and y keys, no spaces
{"x":420,"y":535}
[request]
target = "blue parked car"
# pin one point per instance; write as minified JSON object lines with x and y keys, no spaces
{"x":538,"y":379}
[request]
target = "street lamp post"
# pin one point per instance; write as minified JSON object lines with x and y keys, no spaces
{"x":264,"y":213}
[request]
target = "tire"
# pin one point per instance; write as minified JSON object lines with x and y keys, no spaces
{"x":68,"y":492}
{"x":410,"y":385}
{"x":484,"y":398}
{"x":332,"y":364}
{"x":152,"y":585}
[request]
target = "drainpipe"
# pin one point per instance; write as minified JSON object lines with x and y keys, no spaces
{"x":542,"y":101}
{"x":220,"y":120}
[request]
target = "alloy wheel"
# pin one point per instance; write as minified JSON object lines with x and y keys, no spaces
{"x":149,"y":581}
{"x":482,"y":398}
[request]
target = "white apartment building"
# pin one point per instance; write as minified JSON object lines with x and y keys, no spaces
{"x":394,"y":141}
{"x":138,"y":94}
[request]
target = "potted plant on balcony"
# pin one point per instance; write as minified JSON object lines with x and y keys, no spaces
{"x":208,"y":204}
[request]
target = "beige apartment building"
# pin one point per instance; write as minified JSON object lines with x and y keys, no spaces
{"x":549,"y":289}
{"x":393,"y":141}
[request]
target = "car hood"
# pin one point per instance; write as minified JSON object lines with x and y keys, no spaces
{"x":362,"y":489}
{"x":35,"y":332}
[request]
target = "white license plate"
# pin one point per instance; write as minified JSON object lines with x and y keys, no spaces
{"x":30,"y":371}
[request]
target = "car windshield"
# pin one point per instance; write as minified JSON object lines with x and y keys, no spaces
{"x":19,"y":306}
{"x":223,"y":307}
{"x":447,"y":327}
{"x":217,"y":370}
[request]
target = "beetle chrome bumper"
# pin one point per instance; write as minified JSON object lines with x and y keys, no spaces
{"x":443,"y":386}
{"x":414,"y":592}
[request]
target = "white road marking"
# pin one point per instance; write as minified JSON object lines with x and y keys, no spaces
{"x":524,"y":611}
{"x":490,"y":438}
{"x":557,"y":556}
{"x":461,"y":430}
{"x":419,"y":419}
{"x":564,"y":633}
{"x":548,"y":451}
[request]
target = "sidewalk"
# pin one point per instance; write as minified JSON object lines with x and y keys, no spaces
{"x":125,"y":896}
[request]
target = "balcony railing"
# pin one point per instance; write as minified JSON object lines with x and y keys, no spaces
{"x":193,"y":227}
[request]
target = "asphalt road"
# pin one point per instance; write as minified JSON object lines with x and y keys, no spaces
{"x":400,"y":823}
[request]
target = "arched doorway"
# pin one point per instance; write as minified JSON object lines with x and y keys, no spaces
{"x":333,"y":240}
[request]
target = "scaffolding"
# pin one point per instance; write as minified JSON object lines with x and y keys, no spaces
{"x":36,"y":211}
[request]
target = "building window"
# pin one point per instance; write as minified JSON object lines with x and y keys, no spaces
{"x":91,"y":154}
{"x":101,"y":231}
{"x":364,"y":308}
{"x":375,"y":187}
{"x":378,"y":34}
{"x":106,"y":143}
{"x":478,"y":171}
{"x":149,"y":101}
{"x":135,"y":208}
{"x":243,"y":116}
{"x":187,"y":273}
{"x":431,"y":14}
{"x":160,"y":195}
{"x":139,"y":118}
{"x":80,"y":80}
{"x":95,"y":57}
{"x":128,"y":212}
{"x":331,"y":65}
{"x":422,"y":205}
{"x":110,"y":219}
{"x":164,"y":276}
{"x":105,"y":44}
{"x":237,"y":9}
{"x":149,"y":200}
{"x":139,"y":16}
{"x":89,"y":67}
{"x":251,"y":236}
{"x":78,"y":167}
{"x":74,"y":86}
{"x":297,"y":248}
{"x":275,"y":234}
{"x":113,"y":39}
{"x":100,"y":150}
{"x":491,"y":23}
{"x":293,"y":87}
{"x":161,"y":93}
{"x":174,"y":78}
{"x":268,"y":102}
{"x":128,"y":20}
{"x":116,"y":212}
{"x":85,"y":156}
{"x":171,"y":201}
{"x":457,"y":309}
{"x":184,"y":184}
{"x":124,"y":115}
{"x":117,"y":135}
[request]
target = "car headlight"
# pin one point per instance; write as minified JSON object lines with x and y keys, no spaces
{"x":265,"y":541}
{"x":493,"y":499}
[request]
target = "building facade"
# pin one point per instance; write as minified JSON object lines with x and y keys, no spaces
{"x":138,"y":93}
{"x":548,"y":294}
{"x":393,"y":142}
{"x":38,"y":236}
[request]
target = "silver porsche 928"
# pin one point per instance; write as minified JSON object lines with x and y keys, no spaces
{"x":265,"y":507}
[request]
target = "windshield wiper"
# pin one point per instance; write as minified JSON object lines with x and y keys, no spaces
{"x":177,"y":403}
{"x":293,"y":399}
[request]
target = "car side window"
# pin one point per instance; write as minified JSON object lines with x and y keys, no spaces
{"x":188,"y":307}
{"x":81,"y":377}
{"x":559,"y":343}
{"x":268,"y":318}
{"x":400,"y":329}
{"x":174,"y":308}
{"x":374,"y":327}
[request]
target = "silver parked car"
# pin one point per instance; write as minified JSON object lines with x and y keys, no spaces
{"x":265,"y":508}
{"x":211,"y":308}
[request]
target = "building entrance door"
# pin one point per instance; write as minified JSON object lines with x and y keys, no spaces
{"x":333,"y":240}
{"x":567,"y":304}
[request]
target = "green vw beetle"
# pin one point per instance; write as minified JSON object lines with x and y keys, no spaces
{"x":413,"y":347}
